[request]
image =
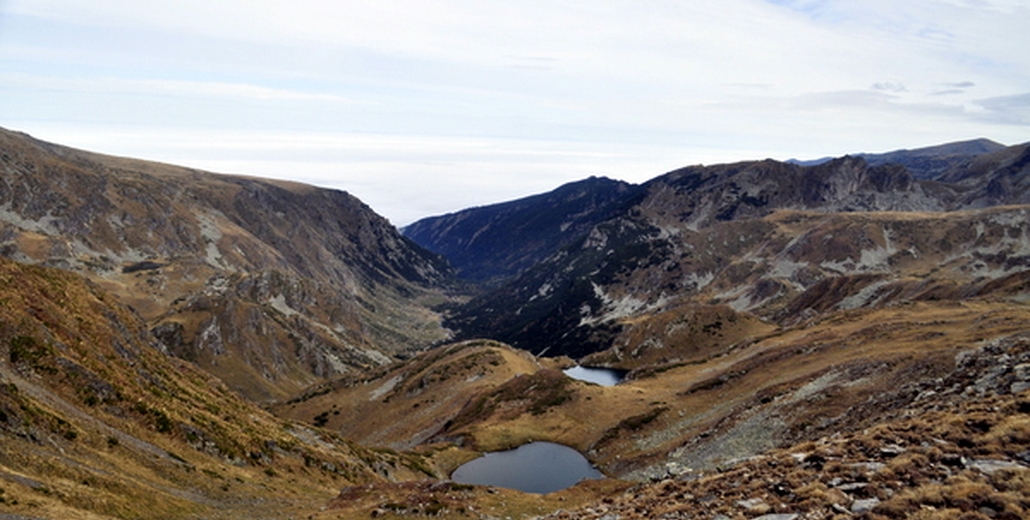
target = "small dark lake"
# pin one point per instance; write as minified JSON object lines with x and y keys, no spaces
{"x":601,"y":376}
{"x":537,"y":467}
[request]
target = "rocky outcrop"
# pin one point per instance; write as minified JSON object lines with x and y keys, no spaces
{"x":954,"y":447}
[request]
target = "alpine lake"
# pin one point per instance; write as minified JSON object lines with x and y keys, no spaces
{"x":539,"y":467}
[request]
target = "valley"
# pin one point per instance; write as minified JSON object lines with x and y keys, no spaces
{"x":842,"y":339}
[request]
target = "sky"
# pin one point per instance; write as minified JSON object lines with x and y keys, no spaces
{"x":426,"y":107}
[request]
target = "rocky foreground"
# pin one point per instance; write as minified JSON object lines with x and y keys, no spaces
{"x":962,"y":452}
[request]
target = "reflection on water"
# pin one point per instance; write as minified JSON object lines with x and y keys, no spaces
{"x":601,"y":376}
{"x":537,"y":467}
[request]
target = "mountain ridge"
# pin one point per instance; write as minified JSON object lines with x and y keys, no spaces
{"x":930,"y":162}
{"x":447,"y":242}
{"x":924,"y":162}
{"x":561,"y":303}
{"x":185,"y":248}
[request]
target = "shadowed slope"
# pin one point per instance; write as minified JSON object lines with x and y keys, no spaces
{"x":491,"y":243}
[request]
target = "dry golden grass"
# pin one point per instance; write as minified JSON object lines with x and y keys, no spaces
{"x":448,"y":500}
{"x":688,"y":334}
{"x":901,"y":463}
{"x":96,"y":422}
{"x":408,"y":404}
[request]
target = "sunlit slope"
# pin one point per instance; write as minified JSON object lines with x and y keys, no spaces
{"x":900,"y":403}
{"x":842,"y":371}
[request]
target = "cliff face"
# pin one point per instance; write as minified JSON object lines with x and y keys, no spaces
{"x":219,"y":263}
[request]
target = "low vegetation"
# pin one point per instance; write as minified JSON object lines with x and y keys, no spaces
{"x":97,"y":422}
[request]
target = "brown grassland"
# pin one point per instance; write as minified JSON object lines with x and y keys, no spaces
{"x":97,"y":422}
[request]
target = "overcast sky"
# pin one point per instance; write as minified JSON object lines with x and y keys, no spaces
{"x":425,"y":107}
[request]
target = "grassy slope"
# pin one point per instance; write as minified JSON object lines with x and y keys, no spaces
{"x":749,"y":396}
{"x":907,"y":410}
{"x":96,"y":422}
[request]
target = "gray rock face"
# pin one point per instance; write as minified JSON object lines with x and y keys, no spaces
{"x":864,"y":505}
{"x":754,"y":505}
{"x":498,"y":241}
{"x":991,"y":467}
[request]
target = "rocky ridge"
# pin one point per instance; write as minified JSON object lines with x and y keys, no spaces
{"x":708,"y":233}
{"x":478,"y":241}
{"x":783,"y":268}
{"x":936,"y":161}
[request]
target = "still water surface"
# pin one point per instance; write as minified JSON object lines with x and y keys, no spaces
{"x":601,"y":376}
{"x":537,"y":467}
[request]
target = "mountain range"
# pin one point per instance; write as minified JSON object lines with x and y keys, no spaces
{"x":841,"y":338}
{"x":759,"y":236}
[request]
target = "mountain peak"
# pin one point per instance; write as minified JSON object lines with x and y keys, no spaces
{"x":478,"y":241}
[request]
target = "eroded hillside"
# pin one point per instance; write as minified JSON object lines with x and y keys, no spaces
{"x":622,"y":286}
{"x":270,"y":285}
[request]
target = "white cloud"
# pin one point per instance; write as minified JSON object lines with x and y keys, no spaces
{"x":495,"y":97}
{"x":1014,"y":110}
{"x":164,"y":87}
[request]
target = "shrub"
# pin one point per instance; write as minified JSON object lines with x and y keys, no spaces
{"x":27,"y":349}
